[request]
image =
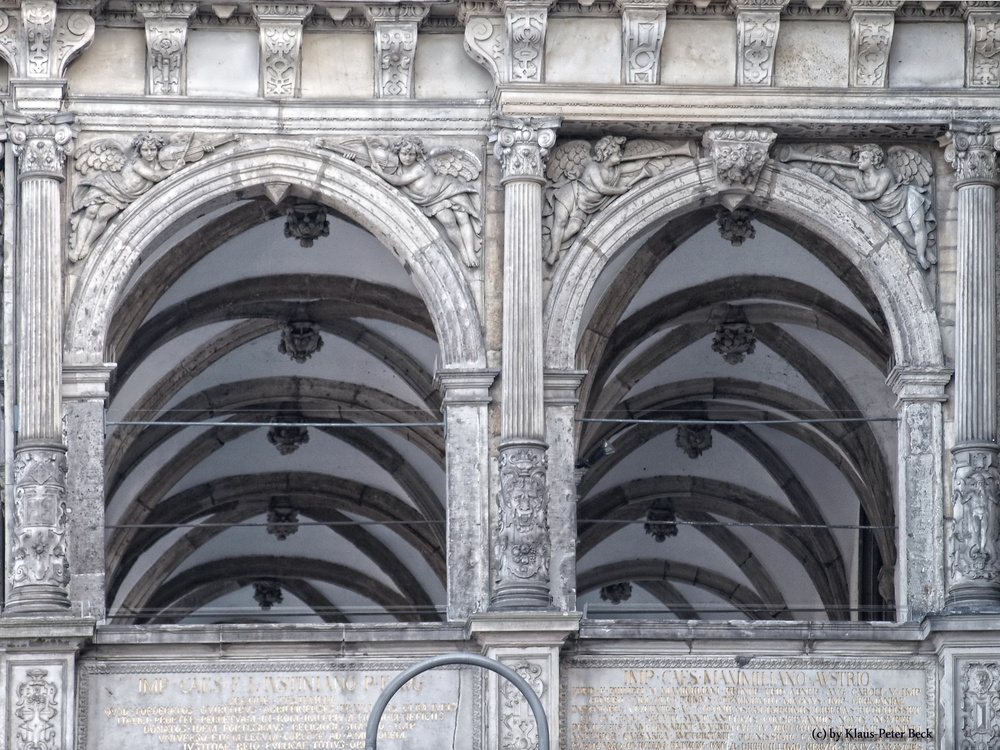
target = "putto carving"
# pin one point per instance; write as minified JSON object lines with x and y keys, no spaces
{"x":982,"y":69}
{"x":980,"y":717}
{"x":36,"y":710}
{"x":287,"y":437}
{"x":738,"y":158}
{"x":616,"y":593}
{"x":757,"y":23}
{"x":166,"y":40}
{"x":523,"y":539}
{"x":441,"y":181}
{"x":41,"y":143}
{"x":734,"y":336}
{"x":280,"y":46}
{"x":267,"y":594}
{"x":307,"y":222}
{"x":113,"y":175}
{"x":871,"y":39}
{"x":38,"y":42}
{"x":894,"y":182}
{"x":282,"y":518}
{"x":975,"y":549}
{"x":300,"y":339}
{"x":693,"y":439}
{"x":38,"y":542}
{"x":971,"y":148}
{"x":736,"y":225}
{"x":585,"y":177}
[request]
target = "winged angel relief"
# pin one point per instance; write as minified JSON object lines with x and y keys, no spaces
{"x":585,"y":177}
{"x":113,"y":175}
{"x":895,"y":182}
{"x":442,"y":181}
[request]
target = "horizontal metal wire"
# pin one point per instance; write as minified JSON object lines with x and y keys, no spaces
{"x":156,"y":423}
{"x":818,"y":420}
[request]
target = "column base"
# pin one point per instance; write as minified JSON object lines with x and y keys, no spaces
{"x":532,"y":596}
{"x":37,"y":598}
{"x":970,"y":599}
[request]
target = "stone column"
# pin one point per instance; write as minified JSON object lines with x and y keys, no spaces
{"x":974,"y":549}
{"x":466,"y":398}
{"x":523,"y":548}
{"x":918,"y":573}
{"x":38,"y":564}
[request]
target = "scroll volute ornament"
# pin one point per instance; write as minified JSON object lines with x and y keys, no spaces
{"x":39,"y":42}
{"x":971,"y":150}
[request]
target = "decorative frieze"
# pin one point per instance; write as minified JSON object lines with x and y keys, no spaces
{"x":38,"y":42}
{"x":895,"y":182}
{"x":395,"y":47}
{"x":872,"y":25}
{"x":738,"y":157}
{"x":757,"y":23}
{"x":982,"y":47}
{"x":166,"y":45}
{"x":280,"y":47}
{"x":584,"y":177}
{"x":643,"y":25}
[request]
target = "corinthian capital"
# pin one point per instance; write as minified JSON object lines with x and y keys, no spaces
{"x":522,"y":144}
{"x":41,"y":143}
{"x":971,"y":149}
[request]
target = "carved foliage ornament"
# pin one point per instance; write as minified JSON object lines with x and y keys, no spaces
{"x":616,"y":593}
{"x":980,"y":718}
{"x":282,"y":518}
{"x":280,"y":45}
{"x":523,"y":538}
{"x":734,"y":337}
{"x":522,"y":144}
{"x":166,"y":37}
{"x":975,"y":548}
{"x":41,"y":143}
{"x":517,"y":724}
{"x":39,"y":43}
{"x":267,"y":594}
{"x":971,"y":150}
{"x":38,"y":543}
{"x":287,"y":438}
{"x":738,"y":158}
{"x":36,"y":710}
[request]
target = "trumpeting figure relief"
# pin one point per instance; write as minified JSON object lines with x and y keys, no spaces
{"x":113,"y":175}
{"x":441,"y":181}
{"x":895,"y":182}
{"x":584,"y":178}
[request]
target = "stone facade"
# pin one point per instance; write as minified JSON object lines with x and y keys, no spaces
{"x":647,"y":347}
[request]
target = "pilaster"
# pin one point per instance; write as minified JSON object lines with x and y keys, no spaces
{"x":166,"y":45}
{"x":974,"y":549}
{"x":465,"y":402}
{"x":757,"y":24}
{"x":523,"y":547}
{"x":395,"y":47}
{"x":280,"y":48}
{"x":872,"y":24}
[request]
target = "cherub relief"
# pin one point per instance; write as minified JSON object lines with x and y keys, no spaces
{"x":584,"y":178}
{"x":894,"y":181}
{"x":441,"y":181}
{"x":113,"y":176}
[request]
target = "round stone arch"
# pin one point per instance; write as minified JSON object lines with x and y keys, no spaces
{"x":870,"y":245}
{"x":247,"y":169}
{"x":796,"y":195}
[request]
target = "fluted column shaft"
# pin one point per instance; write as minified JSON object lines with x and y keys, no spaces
{"x":38,"y":568}
{"x":523,"y":548}
{"x":974,"y":551}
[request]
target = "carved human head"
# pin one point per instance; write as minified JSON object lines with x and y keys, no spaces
{"x":147,"y":145}
{"x":608,"y":146}
{"x":870,"y":151}
{"x":409,"y":145}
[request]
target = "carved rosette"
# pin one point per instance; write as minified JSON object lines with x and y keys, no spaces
{"x":738,"y":157}
{"x":41,"y":143}
{"x":971,"y":150}
{"x":166,"y":40}
{"x":643,"y":26}
{"x":280,"y":45}
{"x":39,"y":565}
{"x":757,"y":24}
{"x":980,"y":718}
{"x":872,"y":25}
{"x":522,"y":145}
{"x":975,"y":538}
{"x":518,"y":730}
{"x":522,"y":550}
{"x":982,"y":68}
{"x":36,"y":709}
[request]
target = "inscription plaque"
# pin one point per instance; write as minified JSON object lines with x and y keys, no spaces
{"x":269,"y":705}
{"x":766,"y":704}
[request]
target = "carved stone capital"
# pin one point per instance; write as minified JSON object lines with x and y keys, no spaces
{"x":39,"y":42}
{"x":166,"y":40}
{"x":39,"y":566}
{"x":280,"y":47}
{"x":872,"y":25}
{"x":971,"y":148}
{"x":41,"y":143}
{"x":522,"y":144}
{"x":643,"y":25}
{"x":757,"y":23}
{"x":738,"y":157}
{"x":975,"y":539}
{"x":523,"y":546}
{"x":395,"y":47}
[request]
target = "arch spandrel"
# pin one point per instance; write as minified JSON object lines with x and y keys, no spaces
{"x":802,"y":198}
{"x":247,"y":169}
